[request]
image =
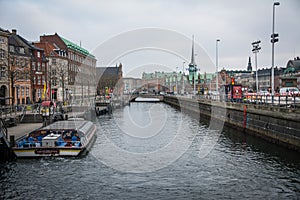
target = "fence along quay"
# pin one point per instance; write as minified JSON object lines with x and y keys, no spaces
{"x":280,"y":125}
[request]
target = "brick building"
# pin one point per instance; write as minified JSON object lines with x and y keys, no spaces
{"x":81,"y":68}
{"x":27,"y":70}
{"x":4,"y":64}
{"x":110,"y":80}
{"x":57,"y":72}
{"x":131,"y":85}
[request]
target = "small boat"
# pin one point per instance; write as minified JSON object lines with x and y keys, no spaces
{"x":103,"y":105}
{"x":63,"y":138}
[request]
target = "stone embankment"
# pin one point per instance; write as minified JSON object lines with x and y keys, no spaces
{"x":275,"y":124}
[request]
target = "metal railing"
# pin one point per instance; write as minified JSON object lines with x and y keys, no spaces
{"x":266,"y":100}
{"x":3,"y":128}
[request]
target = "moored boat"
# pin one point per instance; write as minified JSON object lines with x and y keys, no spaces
{"x":63,"y":138}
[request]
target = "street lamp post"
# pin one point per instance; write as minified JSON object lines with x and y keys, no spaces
{"x":195,"y":70}
{"x":273,"y":40}
{"x":195,"y":75}
{"x":182,"y":75}
{"x":217,"y":81}
{"x":176,"y":81}
{"x":255,"y":50}
{"x":50,"y":82}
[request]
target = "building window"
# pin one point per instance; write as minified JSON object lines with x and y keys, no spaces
{"x":39,"y":80}
{"x":54,"y":82}
{"x":23,"y":63}
{"x":27,"y":92}
{"x":43,"y":66}
{"x":53,"y":61}
{"x":38,"y":66}
{"x":18,"y":91}
{"x":33,"y":65}
{"x":22,"y":91}
{"x":39,"y":93}
{"x":2,"y":74}
{"x":2,"y":53}
{"x":16,"y":74}
{"x":38,"y":54}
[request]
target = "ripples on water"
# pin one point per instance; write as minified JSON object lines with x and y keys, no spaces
{"x":238,"y":167}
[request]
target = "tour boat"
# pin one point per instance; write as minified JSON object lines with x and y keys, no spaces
{"x":103,"y":105}
{"x":63,"y":138}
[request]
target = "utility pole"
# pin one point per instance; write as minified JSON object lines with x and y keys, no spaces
{"x":255,"y":50}
{"x":217,"y":81}
{"x":273,"y":41}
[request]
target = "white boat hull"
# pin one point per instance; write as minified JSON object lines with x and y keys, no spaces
{"x":57,"y":151}
{"x":34,"y":152}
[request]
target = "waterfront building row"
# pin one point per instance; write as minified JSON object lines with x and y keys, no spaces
{"x":180,"y":83}
{"x":53,"y":68}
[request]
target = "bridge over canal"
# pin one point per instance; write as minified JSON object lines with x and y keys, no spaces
{"x":146,"y":98}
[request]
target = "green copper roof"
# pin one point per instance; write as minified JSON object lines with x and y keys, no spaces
{"x":75,"y":47}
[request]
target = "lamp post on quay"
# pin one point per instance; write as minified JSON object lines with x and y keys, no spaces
{"x":274,"y":39}
{"x":182,"y":76}
{"x":217,"y":81}
{"x":194,"y":77}
{"x":255,"y":50}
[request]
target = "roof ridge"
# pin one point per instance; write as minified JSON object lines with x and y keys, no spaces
{"x":76,"y":47}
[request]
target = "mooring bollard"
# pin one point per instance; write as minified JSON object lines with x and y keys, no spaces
{"x":12,"y":140}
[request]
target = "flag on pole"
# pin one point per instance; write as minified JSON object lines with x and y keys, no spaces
{"x":48,"y":91}
{"x":44,"y":92}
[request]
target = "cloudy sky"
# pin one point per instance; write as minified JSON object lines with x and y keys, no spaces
{"x":127,"y":30}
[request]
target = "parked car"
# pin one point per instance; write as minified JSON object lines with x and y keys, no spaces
{"x":289,"y":91}
{"x":264,"y":92}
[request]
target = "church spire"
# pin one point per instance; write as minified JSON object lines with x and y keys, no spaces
{"x":249,"y":68}
{"x":193,"y":55}
{"x":193,"y":67}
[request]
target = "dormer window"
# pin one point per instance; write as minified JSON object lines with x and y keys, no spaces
{"x":22,"y":50}
{"x":38,"y":54}
{"x":11,"y":48}
{"x":2,"y":53}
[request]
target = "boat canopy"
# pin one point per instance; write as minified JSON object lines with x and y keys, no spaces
{"x":48,"y":103}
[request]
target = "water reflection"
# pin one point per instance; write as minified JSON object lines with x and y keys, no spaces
{"x":238,"y":167}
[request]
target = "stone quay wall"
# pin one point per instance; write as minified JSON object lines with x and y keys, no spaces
{"x":275,"y":124}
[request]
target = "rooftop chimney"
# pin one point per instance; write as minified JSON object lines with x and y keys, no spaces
{"x":14,"y":31}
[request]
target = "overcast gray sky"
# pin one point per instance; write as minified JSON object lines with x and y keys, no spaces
{"x":237,"y":23}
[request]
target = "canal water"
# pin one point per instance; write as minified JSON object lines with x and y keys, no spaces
{"x":153,"y":151}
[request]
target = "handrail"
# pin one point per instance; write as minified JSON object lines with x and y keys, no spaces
{"x":3,"y":127}
{"x":23,"y":113}
{"x":279,"y":101}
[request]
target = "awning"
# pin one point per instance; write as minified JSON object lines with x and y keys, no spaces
{"x":48,"y":103}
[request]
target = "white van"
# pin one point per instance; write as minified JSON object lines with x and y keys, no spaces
{"x":289,"y":91}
